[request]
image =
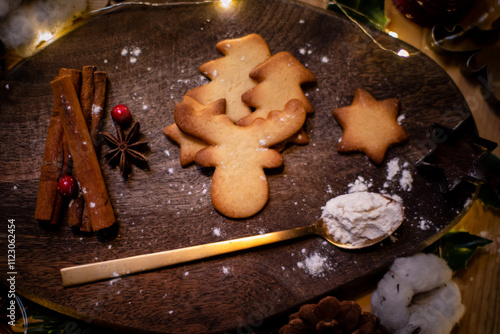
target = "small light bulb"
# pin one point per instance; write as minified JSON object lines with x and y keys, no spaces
{"x":393,"y":34}
{"x":43,"y":37}
{"x":403,"y":53}
{"x":225,"y":3}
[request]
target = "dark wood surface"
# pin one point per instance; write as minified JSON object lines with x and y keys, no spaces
{"x":160,"y":210}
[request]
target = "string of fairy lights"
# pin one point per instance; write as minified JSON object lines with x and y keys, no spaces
{"x":345,"y":9}
{"x":45,"y":38}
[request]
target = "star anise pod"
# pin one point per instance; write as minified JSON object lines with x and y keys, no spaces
{"x":125,"y":148}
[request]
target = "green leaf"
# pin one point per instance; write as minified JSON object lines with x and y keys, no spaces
{"x":369,"y":12}
{"x":456,"y":248}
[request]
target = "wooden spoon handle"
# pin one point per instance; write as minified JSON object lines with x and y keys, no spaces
{"x":97,"y":271}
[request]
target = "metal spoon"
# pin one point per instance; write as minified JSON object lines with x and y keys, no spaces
{"x":97,"y":271}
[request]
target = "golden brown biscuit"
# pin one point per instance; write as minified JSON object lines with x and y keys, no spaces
{"x":190,"y":145}
{"x":369,"y":125}
{"x":279,"y":81}
{"x":230,"y":74}
{"x":240,"y":154}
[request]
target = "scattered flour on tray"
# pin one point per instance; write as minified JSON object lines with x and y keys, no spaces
{"x":359,"y":185}
{"x":314,"y":264}
{"x":227,"y":270}
{"x":406,"y":180}
{"x":394,"y":169}
{"x":132,"y":52}
{"x":424,"y":224}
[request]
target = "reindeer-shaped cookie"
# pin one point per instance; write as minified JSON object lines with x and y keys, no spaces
{"x":190,"y":145}
{"x":239,"y":154}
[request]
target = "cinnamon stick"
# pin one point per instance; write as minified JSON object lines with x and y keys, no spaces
{"x":87,"y":93}
{"x":58,"y":209}
{"x":49,"y":201}
{"x":98,"y":108}
{"x":86,"y":225}
{"x":85,"y":161}
{"x":75,"y":206}
{"x":75,"y":212}
{"x":51,"y":168}
{"x":99,"y":96}
{"x":76,"y":77}
{"x":86,"y":102}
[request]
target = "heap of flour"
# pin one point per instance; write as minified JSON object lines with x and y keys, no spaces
{"x":356,"y":217}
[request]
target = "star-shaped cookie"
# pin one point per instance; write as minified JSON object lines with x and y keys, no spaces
{"x":369,"y":125}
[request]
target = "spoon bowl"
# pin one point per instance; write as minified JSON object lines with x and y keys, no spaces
{"x":322,"y":229}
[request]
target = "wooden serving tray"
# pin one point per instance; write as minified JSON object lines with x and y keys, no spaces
{"x":166,"y":206}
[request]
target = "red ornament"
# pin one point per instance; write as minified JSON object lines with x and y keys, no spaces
{"x":121,"y":114}
{"x":67,"y":186}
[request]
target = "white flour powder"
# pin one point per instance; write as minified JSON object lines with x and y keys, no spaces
{"x":360,"y":216}
{"x":314,"y":264}
{"x":405,"y":176}
{"x":360,"y":185}
{"x":392,"y":168}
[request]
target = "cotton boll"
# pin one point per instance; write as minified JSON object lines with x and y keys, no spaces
{"x":390,"y":301}
{"x":407,"y":277}
{"x":421,"y":321}
{"x":451,"y":296}
{"x":423,"y":272}
{"x":418,"y":294}
{"x":435,"y":312}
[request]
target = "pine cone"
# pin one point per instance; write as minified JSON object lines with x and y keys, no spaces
{"x":333,"y":317}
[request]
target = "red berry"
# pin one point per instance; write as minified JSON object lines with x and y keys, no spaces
{"x":121,"y":114}
{"x":67,"y":186}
